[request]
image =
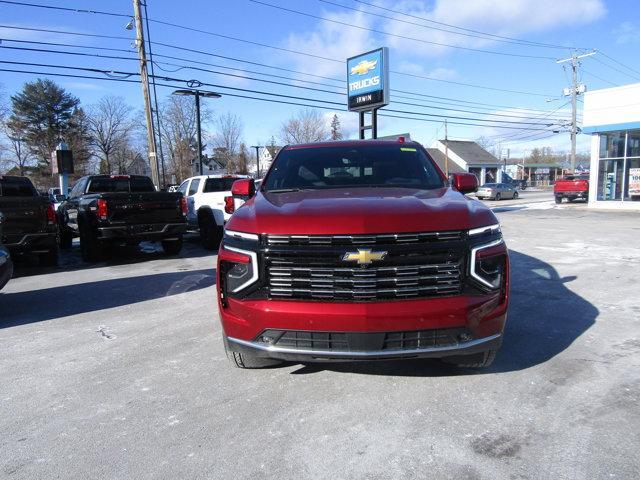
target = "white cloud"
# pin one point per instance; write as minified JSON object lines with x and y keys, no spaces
{"x":499,"y":17}
{"x":627,"y":32}
{"x":439,"y":73}
{"x":330,"y":40}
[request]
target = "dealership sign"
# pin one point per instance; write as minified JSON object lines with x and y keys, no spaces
{"x":634,"y":181}
{"x":368,"y":80}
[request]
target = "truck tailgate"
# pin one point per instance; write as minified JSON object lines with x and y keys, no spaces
{"x":571,"y":186}
{"x":143,"y":208}
{"x":23,"y":215}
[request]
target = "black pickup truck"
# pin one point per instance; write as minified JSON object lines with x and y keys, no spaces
{"x":29,"y":220}
{"x":104,"y":210}
{"x":6,"y":266}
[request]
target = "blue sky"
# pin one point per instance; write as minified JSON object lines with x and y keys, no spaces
{"x":610,"y":26}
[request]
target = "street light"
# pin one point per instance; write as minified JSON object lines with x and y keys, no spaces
{"x":257,"y":147}
{"x":198,"y":94}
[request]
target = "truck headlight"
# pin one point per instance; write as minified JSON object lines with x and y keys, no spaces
{"x":489,"y":263}
{"x":238,"y":268}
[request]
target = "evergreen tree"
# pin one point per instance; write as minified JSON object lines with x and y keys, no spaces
{"x":44,"y":111}
{"x":336,"y":133}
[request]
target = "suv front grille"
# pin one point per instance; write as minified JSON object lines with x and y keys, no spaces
{"x":415,"y":265}
{"x":384,"y":238}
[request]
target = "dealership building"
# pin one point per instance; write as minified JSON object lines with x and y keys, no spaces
{"x":612,"y":118}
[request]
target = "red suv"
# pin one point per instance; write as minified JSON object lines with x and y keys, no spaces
{"x":360,"y":250}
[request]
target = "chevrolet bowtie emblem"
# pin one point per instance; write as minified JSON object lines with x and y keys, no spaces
{"x":363,"y":67}
{"x":364,"y":257}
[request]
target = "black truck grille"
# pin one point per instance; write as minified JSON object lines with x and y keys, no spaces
{"x":414,"y":269}
{"x":356,"y":341}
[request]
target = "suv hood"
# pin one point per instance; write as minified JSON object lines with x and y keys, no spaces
{"x":360,"y":211}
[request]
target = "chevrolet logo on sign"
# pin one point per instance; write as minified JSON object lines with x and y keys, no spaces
{"x":364,"y":256}
{"x":363,"y":67}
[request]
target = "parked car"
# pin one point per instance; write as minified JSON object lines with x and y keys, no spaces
{"x":206,"y":205}
{"x":104,"y":210}
{"x":572,"y":187}
{"x":6,"y":265}
{"x":359,"y":250}
{"x":30,"y":221}
{"x":496,"y":191}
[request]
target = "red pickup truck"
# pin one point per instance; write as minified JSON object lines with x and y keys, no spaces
{"x":572,"y":187}
{"x":360,"y":250}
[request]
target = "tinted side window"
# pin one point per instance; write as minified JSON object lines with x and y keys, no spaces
{"x":17,"y":187}
{"x":141,"y":184}
{"x":194,"y":186}
{"x":218,"y":184}
{"x":183,"y":188}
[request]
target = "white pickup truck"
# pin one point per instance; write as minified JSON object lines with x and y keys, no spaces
{"x":205,"y":199}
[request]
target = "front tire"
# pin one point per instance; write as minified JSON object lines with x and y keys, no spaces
{"x":66,"y":239}
{"x":558,"y":199}
{"x":244,"y":360}
{"x":49,"y":259}
{"x":172,"y":247}
{"x":90,"y":247}
{"x":515,"y":195}
{"x":498,"y":197}
{"x":477,"y":360}
{"x":210,"y":233}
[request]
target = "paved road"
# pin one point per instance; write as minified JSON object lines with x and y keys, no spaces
{"x":118,"y":372}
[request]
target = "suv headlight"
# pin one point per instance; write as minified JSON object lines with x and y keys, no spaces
{"x":239,"y":268}
{"x":489,"y":263}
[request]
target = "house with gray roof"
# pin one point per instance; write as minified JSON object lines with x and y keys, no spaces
{"x":470,"y":157}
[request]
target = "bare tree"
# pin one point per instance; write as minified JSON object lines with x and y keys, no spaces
{"x":20,"y":156}
{"x":179,"y":123}
{"x":306,"y":127}
{"x":336,"y":131}
{"x":227,"y":139}
{"x":110,"y":125}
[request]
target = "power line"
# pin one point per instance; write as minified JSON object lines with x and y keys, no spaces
{"x":619,"y":63}
{"x":483,"y":36}
{"x":596,"y":76}
{"x":457,"y":27}
{"x":425,"y":77}
{"x":128,"y":74}
{"x":382,"y":32}
{"x":615,"y":68}
{"x":451,"y":101}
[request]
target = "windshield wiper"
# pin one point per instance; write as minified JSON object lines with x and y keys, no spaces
{"x":285,"y":190}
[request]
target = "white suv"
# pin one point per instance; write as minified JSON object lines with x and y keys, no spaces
{"x":205,"y":199}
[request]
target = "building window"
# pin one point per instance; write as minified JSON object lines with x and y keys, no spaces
{"x":610,"y":179}
{"x":633,"y":144}
{"x":632,"y":180}
{"x":612,"y":145}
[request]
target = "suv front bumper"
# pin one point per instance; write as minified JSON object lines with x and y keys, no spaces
{"x":292,"y":354}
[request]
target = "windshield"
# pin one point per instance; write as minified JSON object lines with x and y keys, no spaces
{"x":16,"y":187}
{"x":389,"y":166}
{"x":120,"y":185}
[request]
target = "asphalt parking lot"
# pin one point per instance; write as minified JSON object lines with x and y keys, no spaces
{"x":118,"y":371}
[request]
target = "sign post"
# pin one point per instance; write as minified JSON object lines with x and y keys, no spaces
{"x":368,"y":86}
{"x":62,"y":164}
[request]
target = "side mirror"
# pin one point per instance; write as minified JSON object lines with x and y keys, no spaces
{"x":465,"y":182}
{"x":244,"y":188}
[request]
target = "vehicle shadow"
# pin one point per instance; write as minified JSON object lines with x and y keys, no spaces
{"x":544,"y":319}
{"x":70,"y":260}
{"x":27,"y":307}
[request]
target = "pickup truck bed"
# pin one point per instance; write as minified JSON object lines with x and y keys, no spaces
{"x":29,"y":220}
{"x":572,"y":187}
{"x":104,"y":210}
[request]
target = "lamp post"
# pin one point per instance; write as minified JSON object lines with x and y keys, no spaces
{"x":198,"y":94}
{"x":257,"y":147}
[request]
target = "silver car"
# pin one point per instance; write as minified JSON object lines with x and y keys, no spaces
{"x":496,"y":191}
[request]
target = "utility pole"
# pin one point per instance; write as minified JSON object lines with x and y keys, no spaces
{"x":446,"y":150}
{"x":144,"y":80}
{"x":575,"y":89}
{"x":257,"y":147}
